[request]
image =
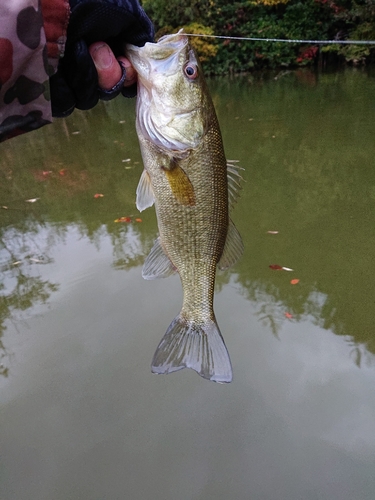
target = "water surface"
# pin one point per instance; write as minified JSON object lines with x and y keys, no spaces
{"x":82,"y":417}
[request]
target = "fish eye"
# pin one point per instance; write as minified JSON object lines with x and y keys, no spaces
{"x":191,"y":71}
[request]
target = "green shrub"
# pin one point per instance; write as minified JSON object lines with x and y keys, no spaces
{"x":283,"y":19}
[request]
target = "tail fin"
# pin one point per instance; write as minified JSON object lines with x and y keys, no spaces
{"x":190,"y":345}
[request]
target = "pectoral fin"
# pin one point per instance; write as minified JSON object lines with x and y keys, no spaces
{"x":145,"y":194}
{"x":157,"y":263}
{"x":233,"y":248}
{"x":180,"y":185}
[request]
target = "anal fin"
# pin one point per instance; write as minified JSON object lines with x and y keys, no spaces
{"x":157,"y":264}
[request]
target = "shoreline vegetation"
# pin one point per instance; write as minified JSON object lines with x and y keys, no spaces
{"x":282,"y":19}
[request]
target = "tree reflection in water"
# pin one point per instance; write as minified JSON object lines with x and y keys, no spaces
{"x":21,"y":286}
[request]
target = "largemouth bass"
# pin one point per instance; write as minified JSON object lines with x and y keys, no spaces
{"x":188,"y":178}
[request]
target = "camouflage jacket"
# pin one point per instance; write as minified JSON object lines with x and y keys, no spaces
{"x":32,"y":39}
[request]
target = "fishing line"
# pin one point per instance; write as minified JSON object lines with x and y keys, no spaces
{"x":316,"y":42}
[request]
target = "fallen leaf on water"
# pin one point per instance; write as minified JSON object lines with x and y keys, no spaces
{"x":63,"y":171}
{"x":294,"y":282}
{"x":288,"y":315}
{"x":273,"y":232}
{"x":287,"y":269}
{"x":123,"y":219}
{"x":138,"y":220}
{"x":98,"y":195}
{"x":32,"y":200}
{"x":276,"y":267}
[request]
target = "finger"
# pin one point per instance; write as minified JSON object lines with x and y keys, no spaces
{"x":131,"y":74}
{"x":107,"y":66}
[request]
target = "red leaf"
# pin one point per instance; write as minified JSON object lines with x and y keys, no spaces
{"x":98,"y":195}
{"x":294,"y":282}
{"x":288,"y":315}
{"x":275,"y":267}
{"x":138,"y":220}
{"x":123,"y":219}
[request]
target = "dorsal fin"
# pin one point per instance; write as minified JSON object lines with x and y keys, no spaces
{"x":233,"y":248}
{"x":234,"y":181}
{"x":145,"y":194}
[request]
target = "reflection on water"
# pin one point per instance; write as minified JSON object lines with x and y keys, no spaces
{"x":62,"y":168}
{"x":310,"y":170}
{"x":306,"y":143}
{"x":22,"y":287}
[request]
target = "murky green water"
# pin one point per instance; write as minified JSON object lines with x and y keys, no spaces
{"x":82,"y":417}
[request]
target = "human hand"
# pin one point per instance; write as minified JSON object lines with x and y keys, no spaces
{"x":90,"y":68}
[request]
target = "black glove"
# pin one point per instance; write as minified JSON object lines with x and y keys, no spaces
{"x":114,"y":22}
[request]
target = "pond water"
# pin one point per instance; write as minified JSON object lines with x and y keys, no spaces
{"x":81,"y":415}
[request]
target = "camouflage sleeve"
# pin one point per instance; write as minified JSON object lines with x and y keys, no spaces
{"x":32,"y":39}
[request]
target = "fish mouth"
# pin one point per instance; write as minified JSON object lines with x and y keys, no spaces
{"x":161,"y":56}
{"x":168,"y":45}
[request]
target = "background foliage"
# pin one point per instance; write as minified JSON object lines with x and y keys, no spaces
{"x":289,"y":19}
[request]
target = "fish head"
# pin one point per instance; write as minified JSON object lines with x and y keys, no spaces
{"x":171,"y":99}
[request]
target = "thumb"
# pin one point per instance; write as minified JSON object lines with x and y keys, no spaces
{"x":107,"y":66}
